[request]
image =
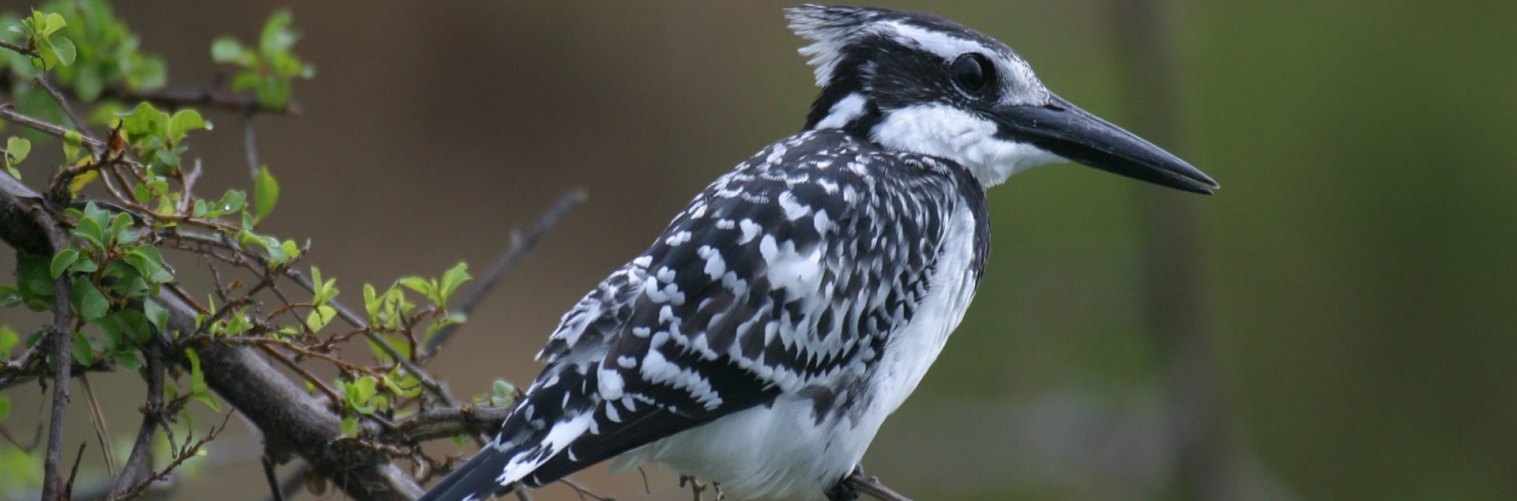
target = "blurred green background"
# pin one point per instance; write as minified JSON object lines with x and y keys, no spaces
{"x":1348,"y":300}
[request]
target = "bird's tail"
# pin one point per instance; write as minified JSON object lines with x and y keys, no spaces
{"x":546,"y":421}
{"x":474,"y":479}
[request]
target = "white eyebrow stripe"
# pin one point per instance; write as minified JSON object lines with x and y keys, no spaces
{"x":944,"y":45}
{"x":1023,"y":87}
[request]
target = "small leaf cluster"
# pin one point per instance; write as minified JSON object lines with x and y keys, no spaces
{"x":51,"y":51}
{"x":269,"y":68}
{"x":393,"y":317}
{"x":86,"y":48}
{"x":113,"y":278}
{"x":392,"y":310}
{"x":156,"y":137}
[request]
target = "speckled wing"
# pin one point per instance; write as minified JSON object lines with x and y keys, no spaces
{"x":781,"y":276}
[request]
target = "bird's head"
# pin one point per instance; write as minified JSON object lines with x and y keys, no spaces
{"x":920,"y":83}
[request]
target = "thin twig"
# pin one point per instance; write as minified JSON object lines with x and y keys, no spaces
{"x":24,"y":50}
{"x":8,"y":113}
{"x":189,"y":451}
{"x":268,"y":475}
{"x":508,"y":260}
{"x":67,"y":108}
{"x":183,"y":97}
{"x":582,"y":491}
{"x":14,"y":375}
{"x":68,"y":487}
{"x":102,"y":432}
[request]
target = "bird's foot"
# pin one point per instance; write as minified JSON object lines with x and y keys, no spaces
{"x":698,"y":489}
{"x":841,"y":491}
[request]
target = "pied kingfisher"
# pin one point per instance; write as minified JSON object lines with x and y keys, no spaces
{"x":793,"y":304}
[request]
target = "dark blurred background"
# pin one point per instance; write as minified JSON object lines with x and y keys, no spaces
{"x":1337,"y":323}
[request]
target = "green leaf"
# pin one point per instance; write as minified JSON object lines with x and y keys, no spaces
{"x":73,"y":146}
{"x":209,"y":400}
{"x":91,"y":231}
{"x":360,"y":394}
{"x":420,"y":285}
{"x":231,"y":202}
{"x":502,"y":393}
{"x":8,"y":340}
{"x":64,"y":50}
{"x":32,"y":279}
{"x":120,"y":225}
{"x":62,"y":261}
{"x":319,"y":317}
{"x":276,"y":36}
{"x":16,"y":150}
{"x":370,"y":302}
{"x":5,"y":407}
{"x":128,"y":360}
{"x":85,"y":265}
{"x":144,"y":122}
{"x":184,"y":121}
{"x":87,"y":82}
{"x":244,"y":81}
{"x":84,"y":352}
{"x":53,"y":23}
{"x":197,"y":378}
{"x":10,"y":297}
{"x":149,"y":263}
{"x":273,"y":92}
{"x":265,"y":193}
{"x":228,"y":50}
{"x":451,"y":279}
{"x":91,"y":304}
{"x":155,"y":314}
{"x":350,"y":426}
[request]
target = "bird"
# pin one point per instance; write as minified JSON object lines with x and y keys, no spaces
{"x":763,"y":338}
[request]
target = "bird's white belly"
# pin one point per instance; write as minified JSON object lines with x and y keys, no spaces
{"x":780,"y":451}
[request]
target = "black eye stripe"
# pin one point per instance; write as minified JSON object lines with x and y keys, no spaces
{"x":972,"y":73}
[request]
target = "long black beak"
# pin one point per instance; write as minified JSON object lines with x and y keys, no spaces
{"x":1072,"y":133}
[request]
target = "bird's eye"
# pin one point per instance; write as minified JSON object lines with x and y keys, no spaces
{"x":972,"y":73}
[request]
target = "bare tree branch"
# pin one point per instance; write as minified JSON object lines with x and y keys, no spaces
{"x":62,"y":335}
{"x":508,"y":260}
{"x":63,"y":103}
{"x":28,"y":50}
{"x":206,"y":98}
{"x":443,"y":423}
{"x":139,"y":463}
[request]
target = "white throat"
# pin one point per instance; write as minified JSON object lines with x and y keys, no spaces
{"x":944,"y":131}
